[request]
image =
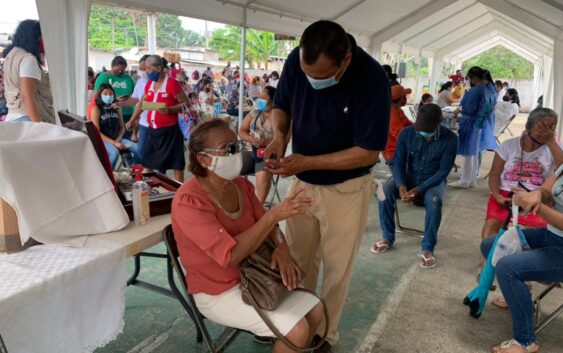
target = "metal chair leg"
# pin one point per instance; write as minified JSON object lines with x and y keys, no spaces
{"x":3,"y":348}
{"x":541,"y":324}
{"x":416,"y":233}
{"x":275,"y":192}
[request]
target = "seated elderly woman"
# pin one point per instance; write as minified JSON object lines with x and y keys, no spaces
{"x":543,"y":263}
{"x":218,"y":222}
{"x":527,"y":160}
{"x":256,"y":129}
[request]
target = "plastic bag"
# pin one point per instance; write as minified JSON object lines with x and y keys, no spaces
{"x":508,"y":244}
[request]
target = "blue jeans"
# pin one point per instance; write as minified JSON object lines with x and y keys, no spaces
{"x":543,"y":263}
{"x":142,"y":138}
{"x":433,"y":198}
{"x":114,"y":153}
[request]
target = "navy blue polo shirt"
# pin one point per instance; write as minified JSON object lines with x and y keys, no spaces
{"x":354,"y":112}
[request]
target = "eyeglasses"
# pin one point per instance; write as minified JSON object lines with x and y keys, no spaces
{"x":231,"y":148}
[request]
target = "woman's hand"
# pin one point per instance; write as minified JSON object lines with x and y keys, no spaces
{"x":166,"y":110}
{"x":529,"y":201}
{"x":291,"y":206}
{"x":290,"y":272}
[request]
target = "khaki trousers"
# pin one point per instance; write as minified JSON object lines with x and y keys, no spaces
{"x":330,"y":233}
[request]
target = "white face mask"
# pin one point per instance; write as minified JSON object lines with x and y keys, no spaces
{"x":226,"y":167}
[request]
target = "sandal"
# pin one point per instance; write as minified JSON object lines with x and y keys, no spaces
{"x":380,"y":247}
{"x":427,"y":262}
{"x":513,"y":346}
{"x":500,"y":303}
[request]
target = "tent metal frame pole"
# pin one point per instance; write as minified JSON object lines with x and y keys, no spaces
{"x":242,"y":70}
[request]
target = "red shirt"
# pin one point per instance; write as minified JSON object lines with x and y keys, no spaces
{"x":205,"y":235}
{"x":398,"y":122}
{"x":167,"y":94}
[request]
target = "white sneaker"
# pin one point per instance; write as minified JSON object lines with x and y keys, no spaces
{"x":472,"y":184}
{"x":460,"y":184}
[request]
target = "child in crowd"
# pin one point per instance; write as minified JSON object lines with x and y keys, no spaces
{"x":107,"y":117}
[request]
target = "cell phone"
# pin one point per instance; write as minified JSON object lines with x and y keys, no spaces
{"x":124,"y":97}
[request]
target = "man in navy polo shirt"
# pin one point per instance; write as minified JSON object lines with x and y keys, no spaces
{"x":336,"y":99}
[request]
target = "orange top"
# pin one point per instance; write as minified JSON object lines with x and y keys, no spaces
{"x":206,"y":235}
{"x":398,"y":122}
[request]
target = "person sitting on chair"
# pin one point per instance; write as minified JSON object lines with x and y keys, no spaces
{"x":505,"y":109}
{"x":527,"y":160}
{"x":544,"y":262}
{"x":398,"y":121}
{"x":218,"y":222}
{"x":423,"y":159}
{"x":109,"y":120}
{"x":256,"y":129}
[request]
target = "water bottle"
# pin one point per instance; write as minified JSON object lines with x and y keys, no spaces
{"x":140,"y":195}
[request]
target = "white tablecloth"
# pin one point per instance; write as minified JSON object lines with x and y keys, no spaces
{"x":54,"y":180}
{"x":61,"y":299}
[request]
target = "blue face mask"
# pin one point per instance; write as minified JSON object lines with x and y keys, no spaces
{"x":261,"y":104}
{"x":107,"y":99}
{"x":427,"y":135}
{"x":153,"y":76}
{"x":322,"y":84}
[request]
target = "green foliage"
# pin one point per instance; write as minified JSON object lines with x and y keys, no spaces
{"x":502,"y":63}
{"x":411,"y":67}
{"x":170,"y":34}
{"x":112,"y":28}
{"x":260,"y":46}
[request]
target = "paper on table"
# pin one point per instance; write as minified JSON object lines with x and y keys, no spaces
{"x":152,"y":106}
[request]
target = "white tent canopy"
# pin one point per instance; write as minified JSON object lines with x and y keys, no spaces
{"x":441,"y":30}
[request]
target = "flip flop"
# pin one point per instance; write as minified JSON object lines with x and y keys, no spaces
{"x":424,"y":263}
{"x":379,"y":247}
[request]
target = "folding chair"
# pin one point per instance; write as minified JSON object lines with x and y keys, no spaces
{"x":229,"y":334}
{"x":505,"y":128}
{"x":275,"y":192}
{"x":399,"y":228}
{"x":248,"y":170}
{"x":540,"y":325}
{"x":3,"y":348}
{"x":123,"y":160}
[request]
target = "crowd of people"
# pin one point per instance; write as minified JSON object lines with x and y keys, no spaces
{"x":219,"y":217}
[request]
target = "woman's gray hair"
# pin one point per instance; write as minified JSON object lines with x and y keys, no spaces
{"x":155,"y":61}
{"x":539,"y":114}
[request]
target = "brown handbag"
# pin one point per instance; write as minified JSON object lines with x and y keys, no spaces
{"x":263,"y":288}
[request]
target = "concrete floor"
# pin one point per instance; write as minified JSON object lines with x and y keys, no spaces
{"x":393,"y":306}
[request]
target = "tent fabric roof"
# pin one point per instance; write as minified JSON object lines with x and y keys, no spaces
{"x":414,"y":25}
{"x":442,"y":30}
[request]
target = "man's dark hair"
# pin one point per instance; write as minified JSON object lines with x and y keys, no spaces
{"x":26,"y":37}
{"x":476,"y":72}
{"x":324,"y":37}
{"x":118,"y":60}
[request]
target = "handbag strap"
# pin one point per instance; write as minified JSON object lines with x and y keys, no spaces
{"x":281,"y":337}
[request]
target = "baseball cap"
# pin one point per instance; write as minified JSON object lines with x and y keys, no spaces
{"x":397,"y":91}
